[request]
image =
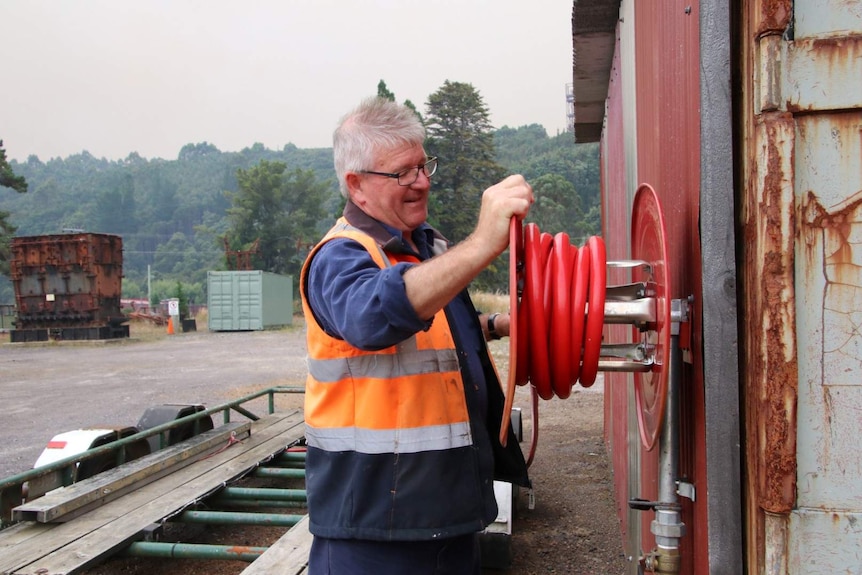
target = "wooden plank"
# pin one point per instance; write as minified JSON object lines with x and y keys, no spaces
{"x":68,"y":502}
{"x":18,"y":533}
{"x":287,"y":556}
{"x":74,"y":545}
{"x":113,"y":525}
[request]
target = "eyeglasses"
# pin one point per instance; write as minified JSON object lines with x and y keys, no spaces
{"x":409,"y":176}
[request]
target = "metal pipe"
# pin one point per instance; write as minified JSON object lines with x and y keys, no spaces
{"x":245,"y":412}
{"x":254,"y":503}
{"x":193,"y":551}
{"x":266,"y":494}
{"x":291,"y":459}
{"x":279,"y":473}
{"x":669,"y":454}
{"x":239,"y":518}
{"x":287,"y":464}
{"x":292,"y":456}
{"x":667,"y":526}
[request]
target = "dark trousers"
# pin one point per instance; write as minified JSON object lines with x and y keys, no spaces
{"x":456,"y":556}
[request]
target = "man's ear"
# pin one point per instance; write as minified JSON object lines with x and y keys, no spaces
{"x":354,"y":187}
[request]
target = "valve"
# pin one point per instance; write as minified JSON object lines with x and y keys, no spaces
{"x":661,"y":560}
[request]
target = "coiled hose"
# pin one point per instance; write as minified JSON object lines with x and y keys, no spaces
{"x":557,"y":300}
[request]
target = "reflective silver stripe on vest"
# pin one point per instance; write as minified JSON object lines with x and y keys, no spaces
{"x":384,"y":366}
{"x":376,"y":441}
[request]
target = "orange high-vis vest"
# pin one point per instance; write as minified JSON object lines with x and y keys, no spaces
{"x":408,"y":398}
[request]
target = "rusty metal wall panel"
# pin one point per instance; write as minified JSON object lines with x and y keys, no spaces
{"x":801,"y":156}
{"x":831,"y":543}
{"x":771,"y":359}
{"x":823,"y":530}
{"x":768,"y":377}
{"x":828,"y":18}
{"x":813,"y":59}
{"x":67,"y":281}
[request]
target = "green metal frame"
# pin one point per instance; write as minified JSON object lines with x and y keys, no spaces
{"x":11,"y":488}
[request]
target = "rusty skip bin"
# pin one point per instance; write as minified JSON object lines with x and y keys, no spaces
{"x":68,"y":286}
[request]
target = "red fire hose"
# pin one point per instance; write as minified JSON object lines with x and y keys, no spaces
{"x":557,"y":300}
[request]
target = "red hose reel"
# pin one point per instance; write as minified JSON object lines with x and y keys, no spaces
{"x":560,"y":304}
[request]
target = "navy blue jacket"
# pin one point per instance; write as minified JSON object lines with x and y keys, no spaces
{"x":350,"y":494}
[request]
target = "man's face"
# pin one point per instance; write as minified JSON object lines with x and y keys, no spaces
{"x":384,"y":199}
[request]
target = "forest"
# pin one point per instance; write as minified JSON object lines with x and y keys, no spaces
{"x":179,"y":217}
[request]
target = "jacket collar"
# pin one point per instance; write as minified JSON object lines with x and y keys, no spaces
{"x":386,"y":237}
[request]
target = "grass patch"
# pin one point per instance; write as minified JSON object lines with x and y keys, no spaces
{"x":490,"y":302}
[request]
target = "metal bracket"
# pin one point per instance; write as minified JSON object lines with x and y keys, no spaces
{"x":639,"y":504}
{"x":685,"y":489}
{"x":639,"y":312}
{"x":680,"y":316}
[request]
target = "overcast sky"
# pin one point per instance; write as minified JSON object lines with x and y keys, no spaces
{"x":113,"y":77}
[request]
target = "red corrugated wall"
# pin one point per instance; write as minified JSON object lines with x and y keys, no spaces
{"x":667,"y":100}
{"x":615,"y":226}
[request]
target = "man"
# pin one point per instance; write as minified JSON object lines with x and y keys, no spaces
{"x":402,"y":398}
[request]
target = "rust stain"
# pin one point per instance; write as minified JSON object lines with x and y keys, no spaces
{"x":835,"y":226}
{"x":835,"y":58}
{"x":836,"y":50}
{"x":243,"y":549}
{"x":772,"y":369}
{"x":774,"y":16}
{"x":822,"y":228}
{"x":827,"y":405}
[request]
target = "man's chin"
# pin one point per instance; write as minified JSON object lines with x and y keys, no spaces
{"x":418,"y":211}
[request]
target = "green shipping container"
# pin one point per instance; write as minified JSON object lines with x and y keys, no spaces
{"x":248,"y":300}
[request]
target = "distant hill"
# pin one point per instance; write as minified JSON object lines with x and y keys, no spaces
{"x":172,"y":213}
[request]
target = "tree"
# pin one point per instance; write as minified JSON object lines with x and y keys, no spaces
{"x":461,"y":135}
{"x":183,"y":302}
{"x":115,"y":211}
{"x":199,"y":150}
{"x":280,"y":211}
{"x":8,"y":179}
{"x":529,"y":151}
{"x":557,"y":207}
{"x":384,"y":92}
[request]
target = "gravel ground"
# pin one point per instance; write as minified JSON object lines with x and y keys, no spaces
{"x":46,"y":389}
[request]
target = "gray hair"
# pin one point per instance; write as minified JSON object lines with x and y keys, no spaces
{"x":376,"y":125}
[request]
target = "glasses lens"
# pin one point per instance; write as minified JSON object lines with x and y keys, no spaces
{"x":408,"y":176}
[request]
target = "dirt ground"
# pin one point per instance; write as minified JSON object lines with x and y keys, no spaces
{"x":51,"y":388}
